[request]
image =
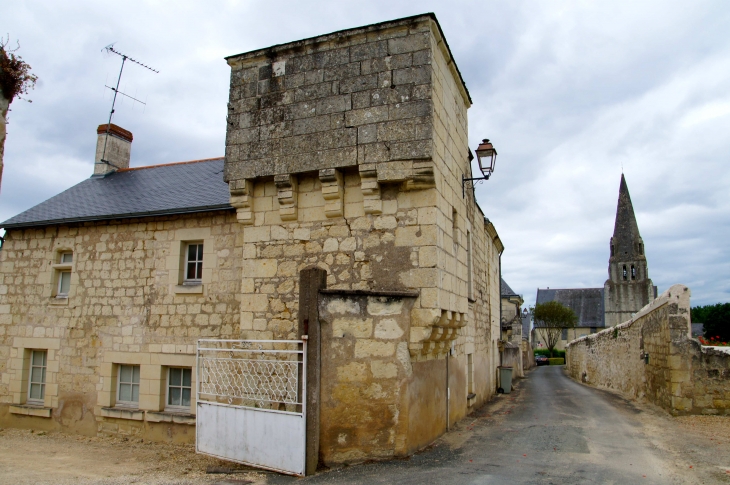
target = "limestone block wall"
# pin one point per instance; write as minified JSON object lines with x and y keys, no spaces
{"x":346,"y":151}
{"x":652,"y":357}
{"x":125,"y":306}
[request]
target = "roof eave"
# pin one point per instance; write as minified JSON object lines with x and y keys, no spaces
{"x":110,"y":217}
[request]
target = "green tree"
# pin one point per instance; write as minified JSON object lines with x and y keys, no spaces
{"x":550,"y":320}
{"x":15,"y":79}
{"x":716,"y":319}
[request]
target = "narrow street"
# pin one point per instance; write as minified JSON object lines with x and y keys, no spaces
{"x":551,"y":430}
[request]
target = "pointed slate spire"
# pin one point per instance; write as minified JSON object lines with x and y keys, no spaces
{"x":626,"y":240}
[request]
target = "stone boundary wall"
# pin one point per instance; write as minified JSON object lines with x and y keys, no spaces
{"x":652,"y":357}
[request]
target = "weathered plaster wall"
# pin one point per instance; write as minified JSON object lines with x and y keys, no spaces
{"x":365,"y":369}
{"x":124,"y":307}
{"x":680,"y":375}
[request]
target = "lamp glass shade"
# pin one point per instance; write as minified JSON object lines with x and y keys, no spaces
{"x":486,"y":156}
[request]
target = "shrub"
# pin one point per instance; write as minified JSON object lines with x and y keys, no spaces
{"x":556,"y":361}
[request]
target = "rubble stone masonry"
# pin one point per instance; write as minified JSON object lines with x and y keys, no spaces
{"x":652,"y":357}
{"x":125,"y":306}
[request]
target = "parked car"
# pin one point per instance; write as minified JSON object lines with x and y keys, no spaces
{"x":541,"y":360}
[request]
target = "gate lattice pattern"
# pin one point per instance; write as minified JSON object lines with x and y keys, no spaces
{"x":240,"y":373}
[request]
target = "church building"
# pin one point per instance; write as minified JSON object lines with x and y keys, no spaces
{"x":627,"y":289}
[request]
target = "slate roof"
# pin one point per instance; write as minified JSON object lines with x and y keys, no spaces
{"x":505,"y":290}
{"x":176,"y":188}
{"x":587,"y":303}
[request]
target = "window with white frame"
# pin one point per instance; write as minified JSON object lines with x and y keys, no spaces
{"x":37,"y":377}
{"x":193,"y":263}
{"x":178,"y":389}
{"x":128,"y":386}
{"x":63,"y":274}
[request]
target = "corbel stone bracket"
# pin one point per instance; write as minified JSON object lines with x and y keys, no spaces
{"x":370,"y":189}
{"x":412,"y":174}
{"x":286,"y":186}
{"x":333,"y":192}
{"x":242,"y":199}
{"x":432,"y":331}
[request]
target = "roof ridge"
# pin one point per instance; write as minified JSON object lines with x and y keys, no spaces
{"x":169,"y":164}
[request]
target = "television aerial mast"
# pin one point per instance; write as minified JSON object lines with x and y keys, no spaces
{"x":125,"y":58}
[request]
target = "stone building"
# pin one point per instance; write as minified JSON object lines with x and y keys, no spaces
{"x":345,"y":153}
{"x":626,"y":291}
{"x":628,"y":288}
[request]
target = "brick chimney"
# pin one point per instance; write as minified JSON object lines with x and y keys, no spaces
{"x":118,"y":143}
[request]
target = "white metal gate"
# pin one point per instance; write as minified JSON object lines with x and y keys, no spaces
{"x":250,"y":402}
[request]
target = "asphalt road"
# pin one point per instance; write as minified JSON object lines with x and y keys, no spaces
{"x":550,"y":430}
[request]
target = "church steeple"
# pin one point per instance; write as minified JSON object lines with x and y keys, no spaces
{"x":628,"y":288}
{"x":626,"y":243}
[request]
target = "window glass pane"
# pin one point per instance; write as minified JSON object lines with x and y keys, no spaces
{"x":174,"y":396}
{"x":125,"y":373}
{"x":36,"y":374}
{"x":175,"y":376}
{"x":35,"y":391}
{"x":186,"y":377}
{"x":199,"y":271}
{"x":135,"y":393}
{"x":191,"y":271}
{"x":64,"y":282}
{"x":125,"y":392}
{"x":39,"y":358}
{"x":186,"y":397}
{"x":135,"y":374}
{"x":67,"y":257}
{"x":192,"y":252}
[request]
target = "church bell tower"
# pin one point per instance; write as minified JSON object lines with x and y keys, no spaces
{"x":628,"y":287}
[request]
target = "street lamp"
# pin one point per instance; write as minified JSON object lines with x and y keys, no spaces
{"x":486,"y":157}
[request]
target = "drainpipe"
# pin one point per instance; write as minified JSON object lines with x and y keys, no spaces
{"x":500,"y":304}
{"x":448,"y":391}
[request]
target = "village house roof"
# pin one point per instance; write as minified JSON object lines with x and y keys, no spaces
{"x":587,"y":303}
{"x":175,"y":188}
{"x":505,"y":290}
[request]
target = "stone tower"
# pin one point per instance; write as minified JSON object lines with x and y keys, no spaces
{"x":628,"y":287}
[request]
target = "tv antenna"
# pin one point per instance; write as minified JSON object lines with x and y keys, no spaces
{"x":125,"y":58}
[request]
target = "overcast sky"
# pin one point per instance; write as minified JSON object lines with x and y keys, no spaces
{"x":569,"y":93}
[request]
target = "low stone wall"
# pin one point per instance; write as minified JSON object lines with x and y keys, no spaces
{"x":653,"y":357}
{"x":528,"y":355}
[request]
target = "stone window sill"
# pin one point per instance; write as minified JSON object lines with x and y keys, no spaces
{"x":123,"y":413}
{"x":30,"y":410}
{"x":59,"y":300}
{"x":171,"y":417}
{"x":188,"y":289}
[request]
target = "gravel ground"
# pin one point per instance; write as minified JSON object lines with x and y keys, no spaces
{"x":39,"y":458}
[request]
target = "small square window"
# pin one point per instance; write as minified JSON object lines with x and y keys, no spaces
{"x":193,"y":263}
{"x":178,"y":388}
{"x":37,"y":377}
{"x":128,"y":386}
{"x":67,"y":258}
